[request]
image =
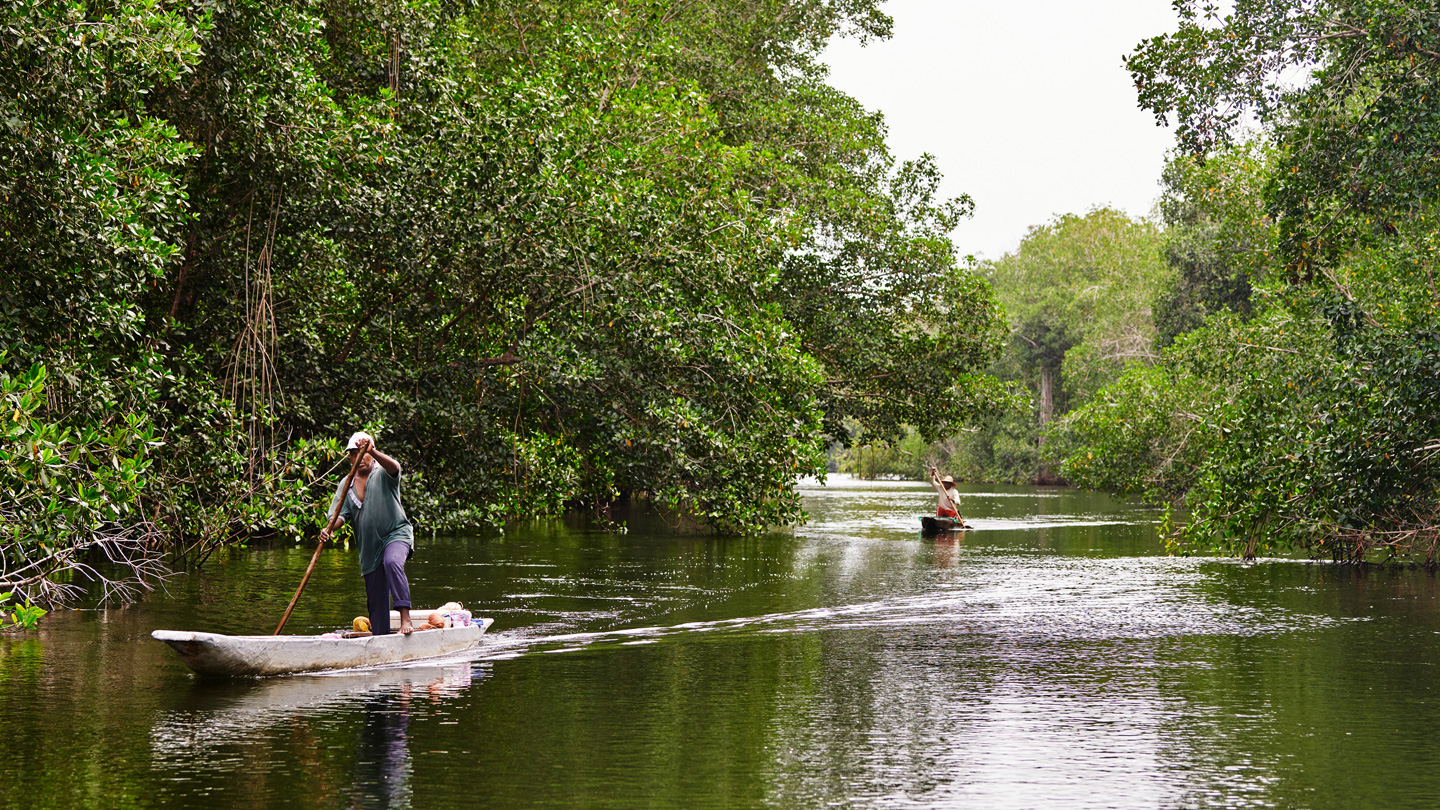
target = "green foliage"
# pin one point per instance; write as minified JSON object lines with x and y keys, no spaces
{"x":1219,"y":239}
{"x":560,"y":252}
{"x":24,"y":616}
{"x":879,"y":301}
{"x":1302,"y":429}
{"x":1309,"y":427}
{"x":1303,"y":418}
{"x":908,"y":457}
{"x":68,"y":492}
{"x":1349,"y":87}
{"x":1078,"y":293}
{"x":1004,"y":447}
{"x":1138,"y":434}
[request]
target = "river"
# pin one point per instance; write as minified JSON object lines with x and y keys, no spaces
{"x":1053,"y":657}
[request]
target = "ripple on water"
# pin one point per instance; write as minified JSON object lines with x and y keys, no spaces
{"x":844,"y":665}
{"x":1021,"y":598}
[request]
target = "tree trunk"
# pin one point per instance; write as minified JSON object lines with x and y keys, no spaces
{"x":1048,"y":373}
{"x":1047,"y":394}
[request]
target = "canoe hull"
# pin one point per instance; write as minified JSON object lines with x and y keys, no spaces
{"x":932,"y":525}
{"x":217,"y":654}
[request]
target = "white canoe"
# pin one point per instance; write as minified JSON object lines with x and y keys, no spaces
{"x":217,"y":654}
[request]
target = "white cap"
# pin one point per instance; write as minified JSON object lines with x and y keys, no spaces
{"x":355,"y":440}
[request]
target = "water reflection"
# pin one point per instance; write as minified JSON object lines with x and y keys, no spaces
{"x":382,"y":756}
{"x":947,"y":548}
{"x":229,"y":727}
{"x":849,"y":663}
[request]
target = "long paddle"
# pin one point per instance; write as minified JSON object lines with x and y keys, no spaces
{"x":339,"y":502}
{"x":954,"y":506}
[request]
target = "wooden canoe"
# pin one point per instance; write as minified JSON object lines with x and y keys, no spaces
{"x":932,"y":525}
{"x":217,"y":654}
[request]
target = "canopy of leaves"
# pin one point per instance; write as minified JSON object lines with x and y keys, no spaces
{"x":1219,"y":239}
{"x":1084,"y":282}
{"x":1303,"y":428}
{"x":1306,"y":418}
{"x":1348,"y":88}
{"x":1078,"y":293}
{"x":552,"y":253}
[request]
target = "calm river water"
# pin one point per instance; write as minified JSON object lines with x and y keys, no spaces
{"x":1053,"y":657}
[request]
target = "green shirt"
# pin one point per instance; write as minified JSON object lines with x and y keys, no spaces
{"x":380,"y":521}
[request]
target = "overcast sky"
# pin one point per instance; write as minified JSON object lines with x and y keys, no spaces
{"x":1024,"y":103}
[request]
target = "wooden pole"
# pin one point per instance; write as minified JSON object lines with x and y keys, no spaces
{"x":339,"y":502}
{"x":935,"y":476}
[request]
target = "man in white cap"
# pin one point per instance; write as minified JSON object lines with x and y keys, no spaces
{"x":383,"y":531}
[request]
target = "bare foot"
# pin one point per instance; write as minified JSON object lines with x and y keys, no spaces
{"x":406,"y":629}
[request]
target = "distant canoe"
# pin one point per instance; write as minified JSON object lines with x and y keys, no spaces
{"x":932,"y":525}
{"x":217,"y":654}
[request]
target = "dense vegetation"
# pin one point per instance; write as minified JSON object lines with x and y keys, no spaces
{"x":1078,"y":292}
{"x":551,"y":253}
{"x":1296,"y":405}
{"x":1266,"y":357}
{"x":557,"y":253}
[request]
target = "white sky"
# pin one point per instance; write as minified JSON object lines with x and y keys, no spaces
{"x":1024,"y":104}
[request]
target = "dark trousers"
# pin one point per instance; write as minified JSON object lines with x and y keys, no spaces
{"x":387,"y":582}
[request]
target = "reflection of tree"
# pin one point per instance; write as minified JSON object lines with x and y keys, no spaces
{"x":382,"y":756}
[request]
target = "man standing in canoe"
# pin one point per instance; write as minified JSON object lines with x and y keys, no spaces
{"x":383,"y":531}
{"x":949,"y":505}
